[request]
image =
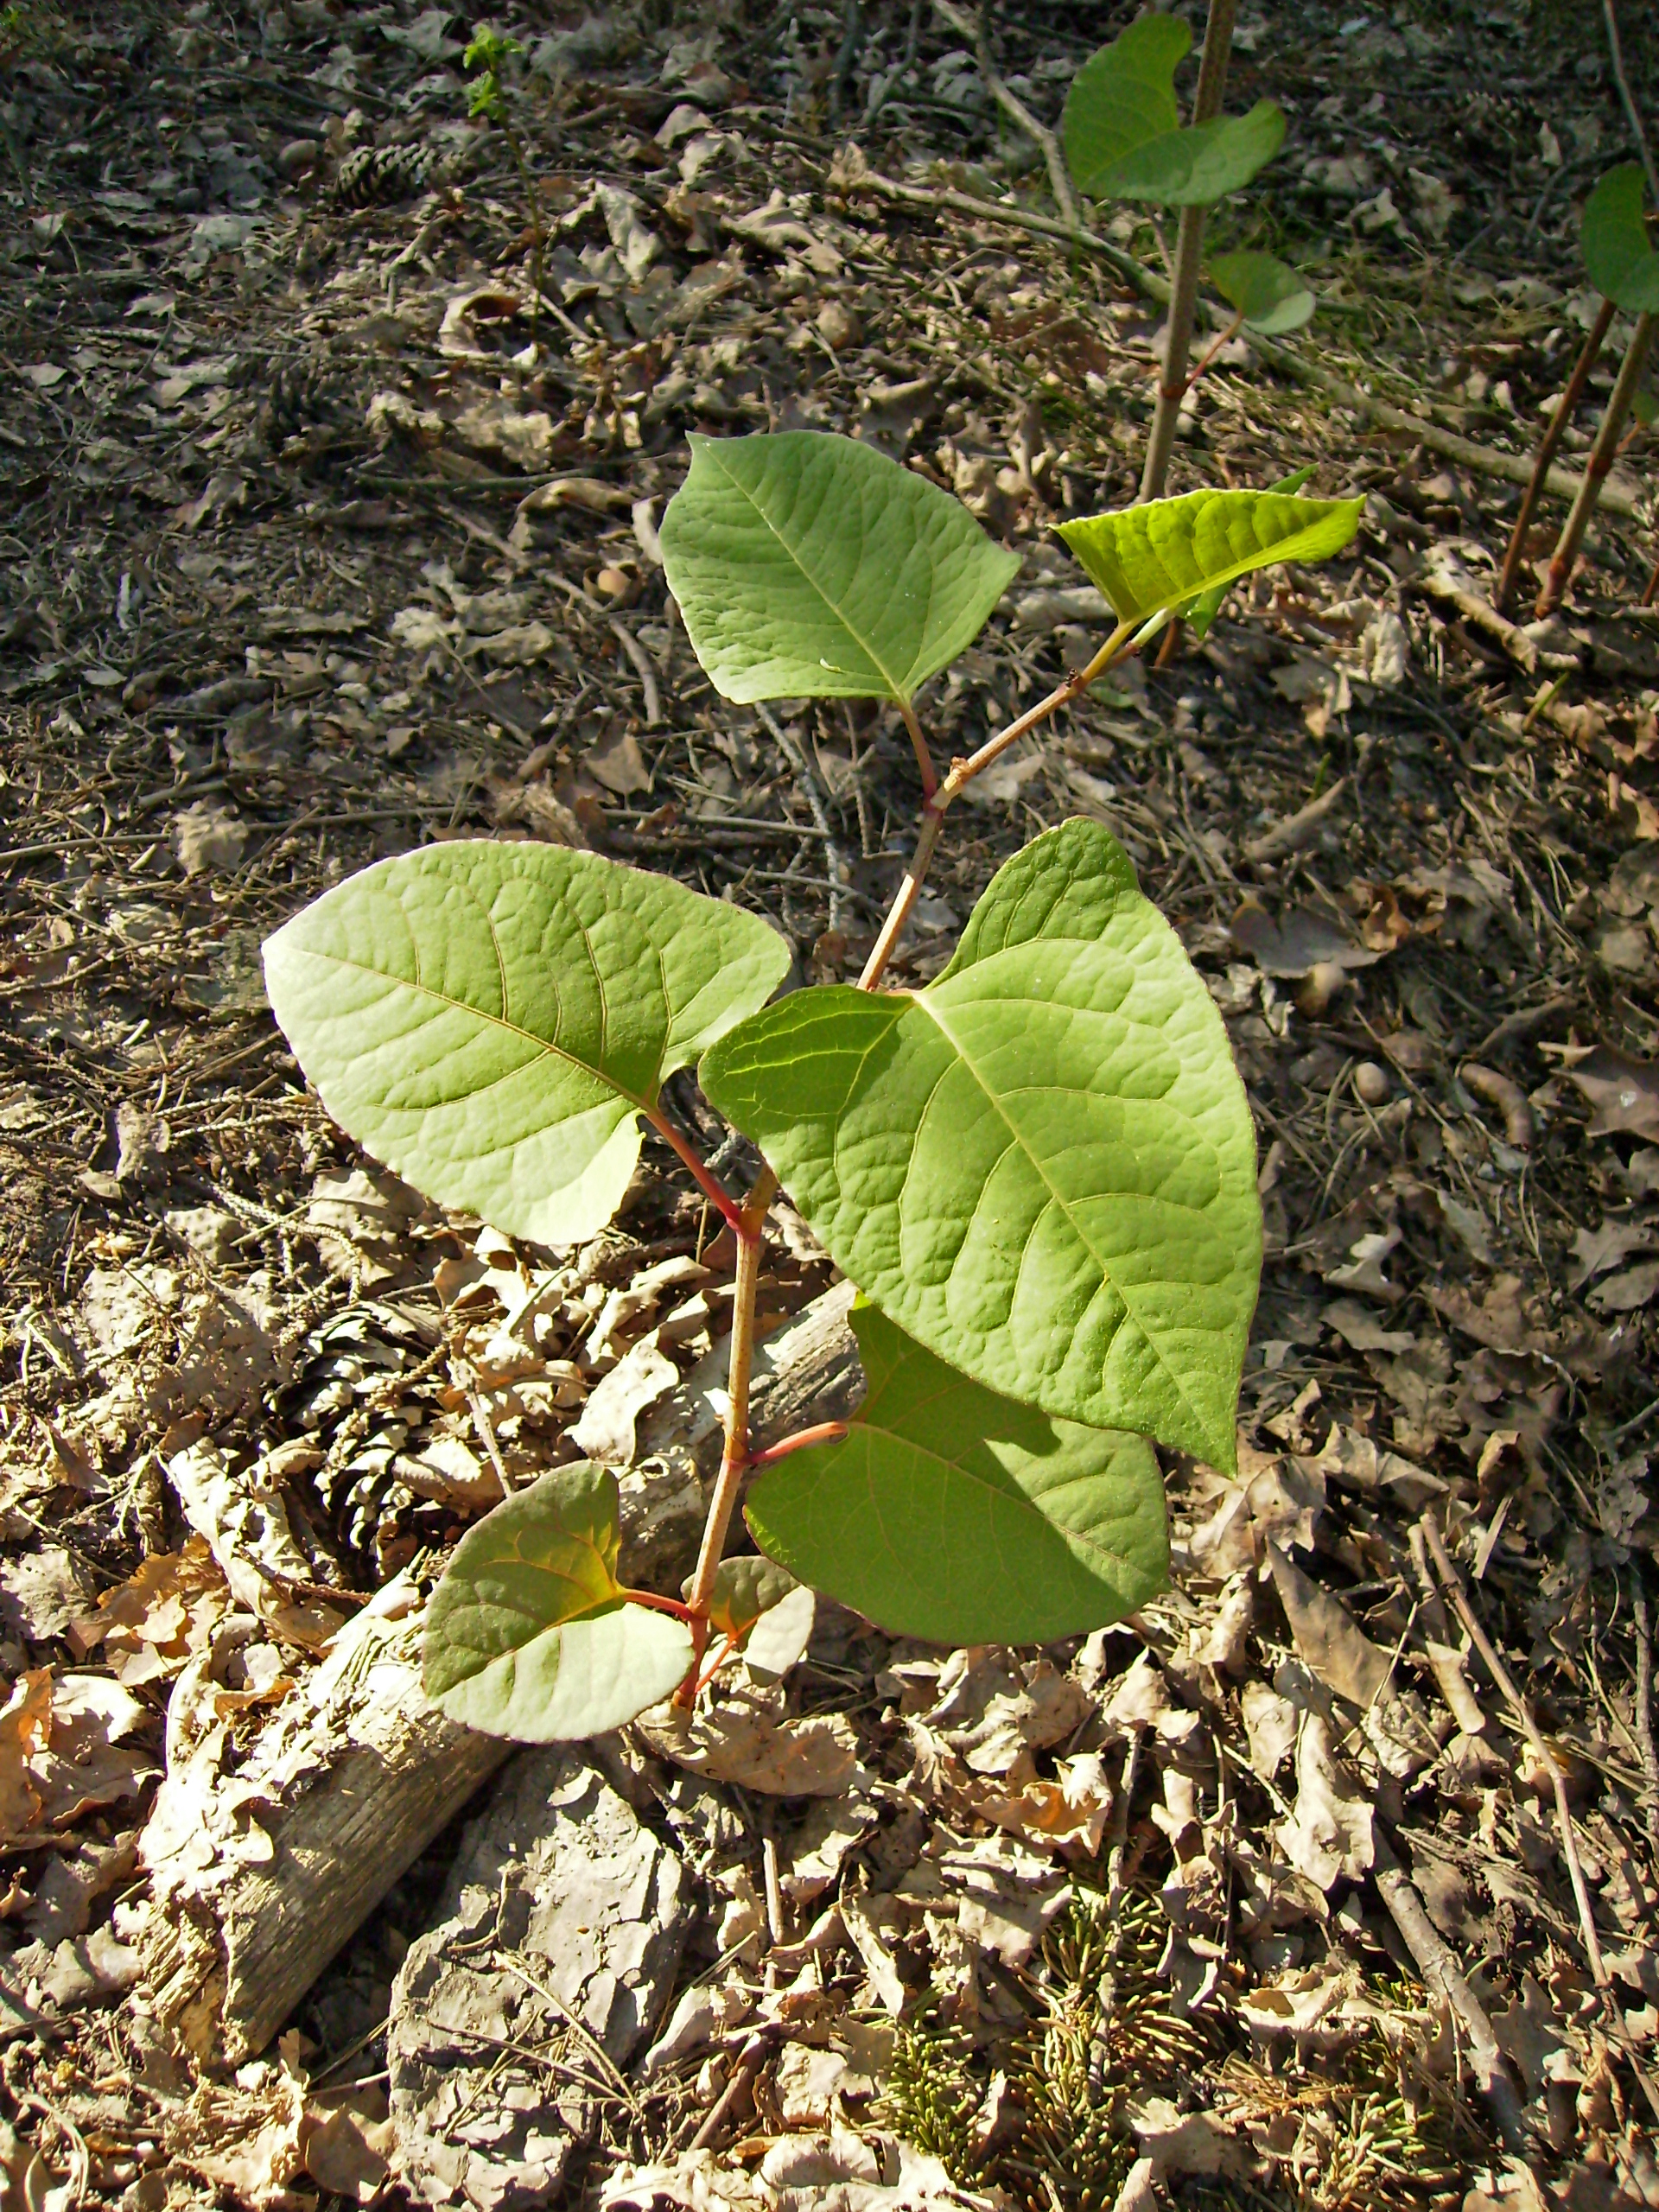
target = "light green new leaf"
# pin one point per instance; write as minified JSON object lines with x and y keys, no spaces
{"x":1198,"y":613}
{"x":1620,"y":263}
{"x":1167,"y":551}
{"x":808,"y":566}
{"x":528,"y":1634}
{"x":1265,"y":291}
{"x":1123,"y":95}
{"x":491,"y":1019}
{"x":1196,"y":168}
{"x":954,"y":1514}
{"x":1042,"y":1166}
{"x":764,"y":1611}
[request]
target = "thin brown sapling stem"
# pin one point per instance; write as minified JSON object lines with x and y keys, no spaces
{"x":1189,"y":248}
{"x":1559,"y":573}
{"x":1565,"y":409}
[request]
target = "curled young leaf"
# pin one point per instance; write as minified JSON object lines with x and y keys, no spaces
{"x":491,"y":1019}
{"x":811,"y":566}
{"x":1617,"y":258}
{"x":1043,"y":1165}
{"x":528,"y":1634}
{"x":1161,"y":553}
{"x":951,"y":1513}
{"x":1265,"y":291}
{"x":765,"y":1611}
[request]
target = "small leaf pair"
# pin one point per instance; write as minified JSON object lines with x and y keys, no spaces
{"x":1121,"y":128}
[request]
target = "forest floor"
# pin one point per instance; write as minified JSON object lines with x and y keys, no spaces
{"x":312,"y":551}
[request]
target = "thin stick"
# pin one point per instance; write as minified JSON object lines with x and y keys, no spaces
{"x":1441,"y":1972}
{"x":1565,"y":409}
{"x":1221,"y":337}
{"x":1010,"y":102}
{"x":1485,"y":460}
{"x":1189,"y":253}
{"x":1631,"y":111}
{"x":1601,"y":460}
{"x":963,"y":773}
{"x":1500,"y":1673}
{"x":1644,"y":1687}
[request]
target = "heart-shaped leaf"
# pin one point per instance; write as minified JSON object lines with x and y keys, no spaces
{"x":491,"y":1019}
{"x":811,"y":566}
{"x":1196,"y":168}
{"x":1158,"y":556}
{"x":1043,"y":1165}
{"x":528,"y":1634}
{"x":1123,"y":95}
{"x":1617,"y":258}
{"x":954,"y":1514}
{"x":1265,"y":291}
{"x":765,"y":1611}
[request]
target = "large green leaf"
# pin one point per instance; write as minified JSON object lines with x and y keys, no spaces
{"x":811,"y":566}
{"x":1265,"y":291}
{"x":951,"y":1513}
{"x":1621,"y":264}
{"x":1042,"y":1166}
{"x":1198,"y":613}
{"x":1123,"y":95}
{"x":1167,"y":551}
{"x":490,"y":1020}
{"x":528,"y":1636}
{"x":1196,"y":168}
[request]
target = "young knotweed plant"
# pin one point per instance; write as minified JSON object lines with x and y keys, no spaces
{"x":1039,"y":1171}
{"x":1123,"y":140}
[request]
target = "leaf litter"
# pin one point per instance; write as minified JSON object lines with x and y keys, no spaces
{"x":301,"y":582}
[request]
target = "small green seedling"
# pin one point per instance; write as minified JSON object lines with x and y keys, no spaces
{"x":485,"y":62}
{"x":1124,"y":140}
{"x":1040,"y":1170}
{"x":1622,"y":265}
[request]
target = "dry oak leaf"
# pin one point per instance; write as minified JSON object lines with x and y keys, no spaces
{"x":150,"y":1624}
{"x":60,"y":1753}
{"x":1624,"y":1092}
{"x":1328,"y":1836}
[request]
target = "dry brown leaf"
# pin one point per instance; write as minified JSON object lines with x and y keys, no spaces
{"x":1327,"y":1636}
{"x":152,"y":1624}
{"x":745,"y":1739}
{"x":606,"y":1429}
{"x":1328,"y":1835}
{"x":1625,"y":1093}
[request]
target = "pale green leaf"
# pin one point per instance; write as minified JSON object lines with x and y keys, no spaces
{"x":953,"y":1514}
{"x":1123,"y":95}
{"x":1201,"y":612}
{"x":811,"y":566}
{"x":1265,"y":291}
{"x":745,"y":1588}
{"x":491,"y":1019}
{"x":1617,"y":258}
{"x":1043,"y":1165}
{"x":1196,"y":168}
{"x":1167,"y":551}
{"x":528,"y":1636}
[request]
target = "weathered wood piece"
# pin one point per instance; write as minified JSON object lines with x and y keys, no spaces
{"x":264,"y":1863}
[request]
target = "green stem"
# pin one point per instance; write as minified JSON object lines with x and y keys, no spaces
{"x":1189,"y":252}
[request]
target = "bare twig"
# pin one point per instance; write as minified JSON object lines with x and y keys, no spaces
{"x":643,"y":669}
{"x":881,"y":88}
{"x":1564,"y":407}
{"x":1189,"y":252}
{"x":839,"y":870}
{"x":1441,"y":1972}
{"x":1012,"y":104}
{"x":1631,"y":111}
{"x":1645,"y":1687}
{"x":1601,"y":460}
{"x":1485,"y":460}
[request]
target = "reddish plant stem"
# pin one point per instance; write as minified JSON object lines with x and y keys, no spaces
{"x":930,"y":774}
{"x":1596,"y":469}
{"x":962,"y":773}
{"x":735,"y":1458}
{"x":823,"y":1432}
{"x":1565,"y":409}
{"x":1231,"y":331}
{"x":711,"y":1186}
{"x":658,"y":1604}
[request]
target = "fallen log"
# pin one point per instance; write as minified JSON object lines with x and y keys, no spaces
{"x":264,"y":1862}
